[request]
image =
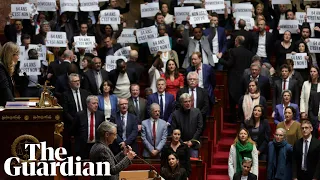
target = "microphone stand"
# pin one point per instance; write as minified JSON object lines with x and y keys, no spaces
{"x":151,"y":166}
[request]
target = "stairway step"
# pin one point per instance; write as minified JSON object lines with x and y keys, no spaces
{"x":217,"y":177}
{"x":224,"y":144}
{"x":218,"y":170}
{"x":220,"y":158}
{"x":229,"y":126}
{"x":229,"y":133}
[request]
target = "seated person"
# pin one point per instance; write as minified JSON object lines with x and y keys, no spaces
{"x":245,"y":173}
{"x":173,"y":171}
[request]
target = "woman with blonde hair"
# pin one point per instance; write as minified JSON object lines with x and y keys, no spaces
{"x":243,"y":147}
{"x":9,"y":56}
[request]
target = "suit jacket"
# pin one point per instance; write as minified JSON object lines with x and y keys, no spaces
{"x":209,"y":80}
{"x":113,"y":100}
{"x":313,"y":160}
{"x":142,"y":108}
{"x":168,"y":106}
{"x":138,"y":68}
{"x":239,"y":60}
{"x":237,"y":176}
{"x":264,"y":72}
{"x":279,"y":115}
{"x":247,"y":38}
{"x":103,"y":51}
{"x":69,"y":106}
{"x":10,"y":31}
{"x":147,"y":137}
{"x":132,"y":75}
{"x":89,"y":82}
{"x":81,"y":130}
{"x":191,"y":47}
{"x":269,"y":43}
{"x":314,"y":110}
{"x":6,"y":86}
{"x":222,"y":40}
{"x":61,"y":85}
{"x":263,"y":83}
{"x":202,"y":99}
{"x":100,"y":152}
{"x":293,"y":87}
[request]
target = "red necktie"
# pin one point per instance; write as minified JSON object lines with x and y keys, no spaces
{"x":284,"y":84}
{"x":154,"y":133}
{"x":91,"y":127}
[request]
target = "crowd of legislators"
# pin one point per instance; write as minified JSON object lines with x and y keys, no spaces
{"x":181,"y":85}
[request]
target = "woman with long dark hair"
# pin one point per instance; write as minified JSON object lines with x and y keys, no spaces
{"x":173,"y":171}
{"x":174,"y":79}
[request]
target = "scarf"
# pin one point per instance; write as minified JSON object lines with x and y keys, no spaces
{"x":277,"y":171}
{"x":249,"y":101}
{"x":241,"y":152}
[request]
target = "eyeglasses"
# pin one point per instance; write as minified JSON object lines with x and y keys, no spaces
{"x":192,"y":79}
{"x":278,"y":135}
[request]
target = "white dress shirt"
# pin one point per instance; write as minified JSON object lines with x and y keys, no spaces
{"x":124,"y":121}
{"x":215,"y":43}
{"x":262,"y":45}
{"x":287,"y":84}
{"x":303,"y":145}
{"x":203,"y":53}
{"x":200,"y":76}
{"x":153,"y":121}
{"x":89,"y":125}
{"x":75,"y":99}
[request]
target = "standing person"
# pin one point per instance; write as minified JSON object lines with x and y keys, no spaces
{"x":9,"y":56}
{"x":174,"y":79}
{"x":245,"y":173}
{"x":108,"y":102}
{"x":280,"y":157}
{"x":306,"y":155}
{"x":279,"y":110}
{"x":137,"y":105}
{"x":100,"y":152}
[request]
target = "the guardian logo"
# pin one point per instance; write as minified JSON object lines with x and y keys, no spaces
{"x":48,"y":166}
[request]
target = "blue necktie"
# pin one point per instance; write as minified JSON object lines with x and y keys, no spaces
{"x":161,"y":106}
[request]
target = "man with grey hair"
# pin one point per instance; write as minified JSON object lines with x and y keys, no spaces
{"x":68,"y":57}
{"x":85,"y":125}
{"x":154,"y":133}
{"x":263,"y":72}
{"x":189,"y":121}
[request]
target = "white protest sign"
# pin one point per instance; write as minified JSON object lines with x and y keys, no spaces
{"x":84,"y":41}
{"x":149,"y":10}
{"x":41,"y":49}
{"x":127,"y":36}
{"x":221,"y":11}
{"x":214,"y":4}
{"x":20,"y":11}
{"x":281,"y":2}
{"x":181,"y":13}
{"x":300,"y":17}
{"x":288,"y":25}
{"x":125,"y":51}
{"x":145,"y":34}
{"x":313,"y":15}
{"x":46,"y":5}
{"x":199,"y":16}
{"x":89,"y":5}
{"x":111,"y":62}
{"x":159,"y":44}
{"x":189,"y":1}
{"x":56,"y":39}
{"x":249,"y":22}
{"x":69,"y":5}
{"x":110,"y":16}
{"x":242,"y":9}
{"x":299,"y":60}
{"x":30,"y":67}
{"x":22,"y":53}
{"x":314,"y":45}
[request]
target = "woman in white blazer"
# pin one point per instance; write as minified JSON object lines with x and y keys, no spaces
{"x":155,"y":71}
{"x":313,"y":84}
{"x":243,"y":146}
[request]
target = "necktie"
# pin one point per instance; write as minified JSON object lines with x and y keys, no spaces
{"x":305,"y":155}
{"x":161,"y":106}
{"x":284,"y":84}
{"x":200,"y":48}
{"x":214,"y":31}
{"x":123,"y":128}
{"x":192,"y":98}
{"x":78,"y":102}
{"x":99,"y":81}
{"x":91,"y":127}
{"x":154,"y":133}
{"x":136,"y":107}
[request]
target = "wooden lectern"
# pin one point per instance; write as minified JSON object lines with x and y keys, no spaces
{"x":20,"y":125}
{"x":138,"y":175}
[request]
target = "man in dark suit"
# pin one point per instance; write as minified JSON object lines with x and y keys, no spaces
{"x":165,"y":100}
{"x":94,"y":77}
{"x":207,"y":78}
{"x":127,"y":128}
{"x":239,"y":60}
{"x":13,"y":32}
{"x":133,"y":64}
{"x":121,"y":78}
{"x":137,"y":105}
{"x":263,"y":82}
{"x":62,"y":83}
{"x":199,"y":95}
{"x":283,"y":84}
{"x":314,"y":101}
{"x":242,"y":32}
{"x":63,"y":67}
{"x":108,"y":49}
{"x":306,"y":155}
{"x":85,"y":126}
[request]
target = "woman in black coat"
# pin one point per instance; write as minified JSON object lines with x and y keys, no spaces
{"x":9,"y":56}
{"x":173,"y":171}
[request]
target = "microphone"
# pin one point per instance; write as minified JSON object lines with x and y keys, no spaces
{"x":37,"y":84}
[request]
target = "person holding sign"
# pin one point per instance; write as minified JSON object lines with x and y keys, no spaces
{"x":40,"y":38}
{"x":303,"y":48}
{"x":282,"y":48}
{"x":65,"y":24}
{"x":9,"y":56}
{"x":168,"y":18}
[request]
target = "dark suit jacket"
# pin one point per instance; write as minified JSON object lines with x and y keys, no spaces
{"x":247,"y":38}
{"x":169,"y":106}
{"x":103,"y":51}
{"x":237,"y":176}
{"x":6,"y":86}
{"x":138,"y":68}
{"x":209,"y":80}
{"x":263,"y":83}
{"x":10,"y":31}
{"x":80,"y":130}
{"x":132,"y":75}
{"x":314,"y":101}
{"x":269,"y":43}
{"x":293,"y":87}
{"x":69,"y":106}
{"x":89,"y":82}
{"x":239,"y":60}
{"x":313,"y":159}
{"x":142,"y":108}
{"x":62,"y":68}
{"x":222,"y":40}
{"x":62,"y":85}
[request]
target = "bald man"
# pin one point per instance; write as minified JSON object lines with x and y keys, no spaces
{"x":68,"y":57}
{"x":133,"y":64}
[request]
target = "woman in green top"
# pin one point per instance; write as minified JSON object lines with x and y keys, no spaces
{"x":243,"y":146}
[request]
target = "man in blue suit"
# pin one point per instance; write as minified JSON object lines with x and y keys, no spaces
{"x":154,"y":133}
{"x":127,"y":128}
{"x":207,"y":78}
{"x":165,"y":100}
